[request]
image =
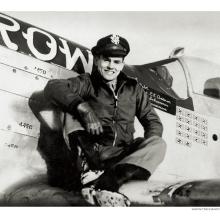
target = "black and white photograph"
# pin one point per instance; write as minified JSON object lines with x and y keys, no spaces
{"x":110,"y":109}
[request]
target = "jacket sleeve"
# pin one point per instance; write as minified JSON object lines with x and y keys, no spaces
{"x":68,"y":93}
{"x":147,"y":115}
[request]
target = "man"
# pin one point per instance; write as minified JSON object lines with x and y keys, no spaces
{"x":106,"y":103}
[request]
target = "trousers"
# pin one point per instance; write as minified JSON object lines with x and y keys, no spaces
{"x":145,"y":153}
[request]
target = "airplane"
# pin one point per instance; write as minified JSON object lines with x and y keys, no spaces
{"x":184,"y":90}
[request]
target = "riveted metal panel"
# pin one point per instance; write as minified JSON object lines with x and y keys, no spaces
{"x":16,"y":115}
{"x":19,"y":158}
{"x":12,"y":143}
{"x":20,"y":82}
{"x":32,"y":65}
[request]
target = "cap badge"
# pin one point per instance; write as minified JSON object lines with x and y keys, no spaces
{"x":115,"y":39}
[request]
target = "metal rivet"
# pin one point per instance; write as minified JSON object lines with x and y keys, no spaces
{"x":215,"y":137}
{"x":9,"y":127}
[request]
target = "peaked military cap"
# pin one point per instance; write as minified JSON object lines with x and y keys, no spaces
{"x":112,"y":45}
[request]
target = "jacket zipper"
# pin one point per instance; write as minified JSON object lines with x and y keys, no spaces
{"x":115,"y":109}
{"x":116,"y":104}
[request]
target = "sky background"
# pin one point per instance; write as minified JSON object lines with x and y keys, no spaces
{"x":152,"y":35}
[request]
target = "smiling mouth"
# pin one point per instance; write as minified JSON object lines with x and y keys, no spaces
{"x":109,"y":71}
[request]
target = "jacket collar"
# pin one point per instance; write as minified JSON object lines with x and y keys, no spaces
{"x":98,"y":82}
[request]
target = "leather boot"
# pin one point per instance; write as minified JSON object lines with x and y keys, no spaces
{"x":116,"y":176}
{"x":88,"y":146}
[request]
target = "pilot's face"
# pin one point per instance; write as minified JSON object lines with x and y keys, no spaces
{"x":109,"y":67}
